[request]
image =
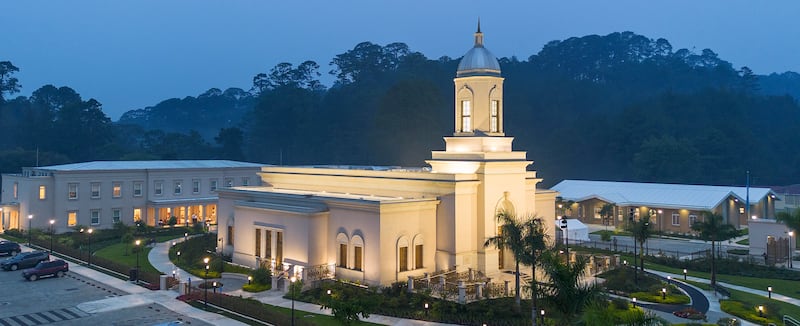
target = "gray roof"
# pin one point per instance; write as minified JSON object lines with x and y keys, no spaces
{"x":149,"y":165}
{"x":699,"y":197}
{"x":478,"y":62}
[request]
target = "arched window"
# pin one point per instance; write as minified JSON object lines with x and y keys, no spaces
{"x":402,"y":254}
{"x":466,"y":116}
{"x":495,"y":116}
{"x":358,"y":252}
{"x":342,"y":240}
{"x":418,"y":252}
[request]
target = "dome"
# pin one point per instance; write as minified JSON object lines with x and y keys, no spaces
{"x":478,"y":61}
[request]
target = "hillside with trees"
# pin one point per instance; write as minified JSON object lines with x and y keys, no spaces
{"x":615,"y":107}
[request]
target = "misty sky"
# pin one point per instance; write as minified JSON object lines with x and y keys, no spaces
{"x":131,"y":54}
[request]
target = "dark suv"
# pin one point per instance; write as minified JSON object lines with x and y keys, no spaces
{"x":57,"y":267}
{"x":9,"y":248}
{"x":24,"y":260}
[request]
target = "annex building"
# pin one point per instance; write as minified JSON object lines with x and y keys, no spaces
{"x":378,"y":225}
{"x":673,"y":208}
{"x":98,"y":194}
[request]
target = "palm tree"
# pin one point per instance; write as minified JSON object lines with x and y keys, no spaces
{"x":535,"y":241}
{"x":641,"y":232}
{"x":510,"y":237}
{"x":792,"y":220}
{"x":713,"y":229}
{"x":566,"y":293}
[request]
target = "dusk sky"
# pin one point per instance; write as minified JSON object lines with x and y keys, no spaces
{"x":132,"y":54}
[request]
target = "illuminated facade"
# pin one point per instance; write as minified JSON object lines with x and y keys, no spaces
{"x":379,"y":225}
{"x":97,"y":194}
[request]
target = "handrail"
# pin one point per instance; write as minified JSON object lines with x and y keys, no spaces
{"x":787,"y":320}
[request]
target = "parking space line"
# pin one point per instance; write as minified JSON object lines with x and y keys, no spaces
{"x":50,"y":320}
{"x":18,"y":321}
{"x":32,"y":319}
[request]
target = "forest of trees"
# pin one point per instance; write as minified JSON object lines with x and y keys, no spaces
{"x":614,"y":107}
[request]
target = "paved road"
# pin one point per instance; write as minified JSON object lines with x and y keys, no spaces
{"x":698,"y":302}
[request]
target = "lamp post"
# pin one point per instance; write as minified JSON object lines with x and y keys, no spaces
{"x":761,"y":311}
{"x":663,"y":293}
{"x":634,"y":302}
{"x":138,"y":242}
{"x":52,"y":231}
{"x":789,"y":253}
{"x":684,"y":274}
{"x":249,"y":280}
{"x":541,"y":315}
{"x":426,"y":309}
{"x":635,"y":270}
{"x":660,"y":222}
{"x":90,"y":246}
{"x":291,"y":289}
{"x":769,"y":292}
{"x":669,"y":280}
{"x":205,"y":285}
{"x":30,"y":218}
{"x":564,"y":226}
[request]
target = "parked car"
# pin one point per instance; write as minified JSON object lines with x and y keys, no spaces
{"x":56,"y":267}
{"x":24,"y":260}
{"x":9,"y":248}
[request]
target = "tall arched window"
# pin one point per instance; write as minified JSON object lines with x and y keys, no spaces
{"x":466,"y":116}
{"x":358,"y":252}
{"x":418,"y":252}
{"x":402,"y":254}
{"x":342,"y":240}
{"x":495,"y":116}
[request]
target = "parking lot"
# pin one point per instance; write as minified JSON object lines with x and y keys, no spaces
{"x":53,"y":300}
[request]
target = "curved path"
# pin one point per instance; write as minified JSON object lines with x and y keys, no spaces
{"x":698,"y":301}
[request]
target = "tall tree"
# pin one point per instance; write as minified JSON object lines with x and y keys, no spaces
{"x":792,"y":220}
{"x":511,"y":238}
{"x":641,"y":232}
{"x":607,"y":213}
{"x":230,"y":141}
{"x":713,"y":228}
{"x":535,"y":240}
{"x":8,"y":83}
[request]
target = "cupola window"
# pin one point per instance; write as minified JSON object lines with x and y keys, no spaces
{"x":466,"y":116}
{"x":495,"y":125}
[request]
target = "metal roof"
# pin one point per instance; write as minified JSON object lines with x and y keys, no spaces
{"x":656,"y":194}
{"x":148,"y":165}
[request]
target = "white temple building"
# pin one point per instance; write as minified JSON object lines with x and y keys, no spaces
{"x":379,"y":225}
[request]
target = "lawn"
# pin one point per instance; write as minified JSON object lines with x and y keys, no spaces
{"x":117,"y":253}
{"x":744,"y":305}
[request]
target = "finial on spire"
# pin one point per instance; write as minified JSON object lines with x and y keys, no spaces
{"x":479,"y":35}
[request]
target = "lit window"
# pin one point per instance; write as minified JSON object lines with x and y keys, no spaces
{"x":116,"y":190}
{"x":137,"y":215}
{"x":466,"y":116}
{"x":42,"y":192}
{"x":495,"y":125}
{"x":95,"y":190}
{"x":95,"y":216}
{"x":268,"y":244}
{"x":72,"y":191}
{"x":196,"y":186}
{"x":116,"y":215}
{"x":72,"y":218}
{"x":158,"y":188}
{"x":213,"y":185}
{"x":137,"y":189}
{"x":178,"y":187}
{"x":676,"y":219}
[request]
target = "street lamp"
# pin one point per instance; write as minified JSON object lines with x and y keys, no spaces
{"x":684,"y":274}
{"x":761,"y":311}
{"x":663,"y":293}
{"x":30,"y":218}
{"x":138,"y":242}
{"x":769,"y":292}
{"x":564,"y":226}
{"x":541,"y":313}
{"x":789,"y":244}
{"x":634,"y":302}
{"x":52,"y":231}
{"x":250,"y":281}
{"x":669,"y":280}
{"x":291,"y":289}
{"x":426,"y":308}
{"x":90,"y":246}
{"x":205,"y":285}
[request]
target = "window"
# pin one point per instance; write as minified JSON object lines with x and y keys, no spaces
{"x":466,"y":116}
{"x":358,"y":258}
{"x":495,"y":125}
{"x":597,"y":214}
{"x":137,"y":189}
{"x":258,"y":242}
{"x":418,"y":256}
{"x":158,"y":188}
{"x":245,"y":181}
{"x":116,"y":189}
{"x":16,"y":190}
{"x":137,"y":215}
{"x":116,"y":214}
{"x":196,"y":186}
{"x":95,"y":190}
{"x":228,"y":182}
{"x":72,"y":191}
{"x":676,"y":219}
{"x":213,"y":185}
{"x":42,"y":192}
{"x":268,"y":244}
{"x":278,"y":248}
{"x":343,"y":255}
{"x":178,"y":185}
{"x":72,"y":218}
{"x":692,"y":219}
{"x":230,"y":235}
{"x":95,"y":213}
{"x":403,"y":256}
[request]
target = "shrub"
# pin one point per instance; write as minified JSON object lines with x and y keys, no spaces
{"x":262,"y":276}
